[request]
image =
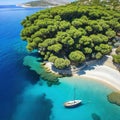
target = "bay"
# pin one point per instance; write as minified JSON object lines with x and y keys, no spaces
{"x":22,"y":98}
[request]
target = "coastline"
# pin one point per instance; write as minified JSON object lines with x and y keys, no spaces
{"x":102,"y":70}
{"x":103,"y":74}
{"x":42,"y":6}
{"x":29,"y":6}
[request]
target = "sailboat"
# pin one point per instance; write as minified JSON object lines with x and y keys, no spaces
{"x":73,"y":103}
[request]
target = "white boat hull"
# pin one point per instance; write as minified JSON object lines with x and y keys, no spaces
{"x":72,"y":104}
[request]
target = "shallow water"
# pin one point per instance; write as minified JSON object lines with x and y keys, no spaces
{"x":21,"y":99}
{"x":92,"y":93}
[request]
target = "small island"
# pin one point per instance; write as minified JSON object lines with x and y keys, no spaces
{"x":114,"y":98}
{"x":43,"y":3}
{"x":73,"y":34}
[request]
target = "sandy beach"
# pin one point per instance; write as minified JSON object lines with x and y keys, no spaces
{"x":105,"y":74}
{"x":103,"y":70}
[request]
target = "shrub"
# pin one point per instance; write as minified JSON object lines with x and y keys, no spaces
{"x":118,"y":50}
{"x":116,"y":58}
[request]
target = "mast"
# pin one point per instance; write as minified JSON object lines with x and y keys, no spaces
{"x":74,"y":95}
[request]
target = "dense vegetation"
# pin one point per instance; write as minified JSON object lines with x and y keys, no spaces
{"x":71,"y":34}
{"x":112,"y":4}
{"x":116,"y":57}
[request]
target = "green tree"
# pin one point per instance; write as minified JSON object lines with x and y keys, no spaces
{"x":31,"y":46}
{"x":74,"y":33}
{"x":98,"y":55}
{"x":95,"y":26}
{"x":118,"y":50}
{"x":37,"y":40}
{"x":99,"y":38}
{"x":77,"y":56}
{"x":64,"y":25}
{"x":103,"y":24}
{"x":110,"y":33}
{"x":103,"y":48}
{"x":67,"y":62}
{"x":65,"y":38}
{"x":56,"y":47}
{"x":57,"y":17}
{"x":41,"y":23}
{"x":87,"y":50}
{"x":61,"y":63}
{"x":77,"y":23}
{"x":85,"y":40}
{"x":83,"y":32}
{"x":116,"y":58}
{"x":52,"y":59}
{"x":88,"y":29}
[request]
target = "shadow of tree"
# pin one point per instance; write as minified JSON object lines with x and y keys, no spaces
{"x":117,"y":66}
{"x":64,"y":72}
{"x":90,"y":65}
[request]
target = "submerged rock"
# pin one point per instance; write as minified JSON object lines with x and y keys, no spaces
{"x":95,"y":116}
{"x":34,"y":64}
{"x":114,"y":98}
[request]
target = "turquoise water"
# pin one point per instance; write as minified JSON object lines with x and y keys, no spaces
{"x":22,"y":98}
{"x":93,"y":94}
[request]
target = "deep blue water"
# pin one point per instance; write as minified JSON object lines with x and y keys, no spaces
{"x":13,"y":75}
{"x":21,"y":99}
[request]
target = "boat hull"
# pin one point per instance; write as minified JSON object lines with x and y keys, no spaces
{"x":72,"y":104}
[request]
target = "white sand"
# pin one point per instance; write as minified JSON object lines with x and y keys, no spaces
{"x":98,"y":70}
{"x":104,"y":74}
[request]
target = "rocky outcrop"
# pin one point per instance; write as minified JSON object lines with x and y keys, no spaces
{"x":45,"y":3}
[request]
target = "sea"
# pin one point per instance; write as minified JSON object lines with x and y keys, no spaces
{"x":25,"y":96}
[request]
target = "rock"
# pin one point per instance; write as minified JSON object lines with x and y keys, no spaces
{"x":95,"y":116}
{"x":114,"y":98}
